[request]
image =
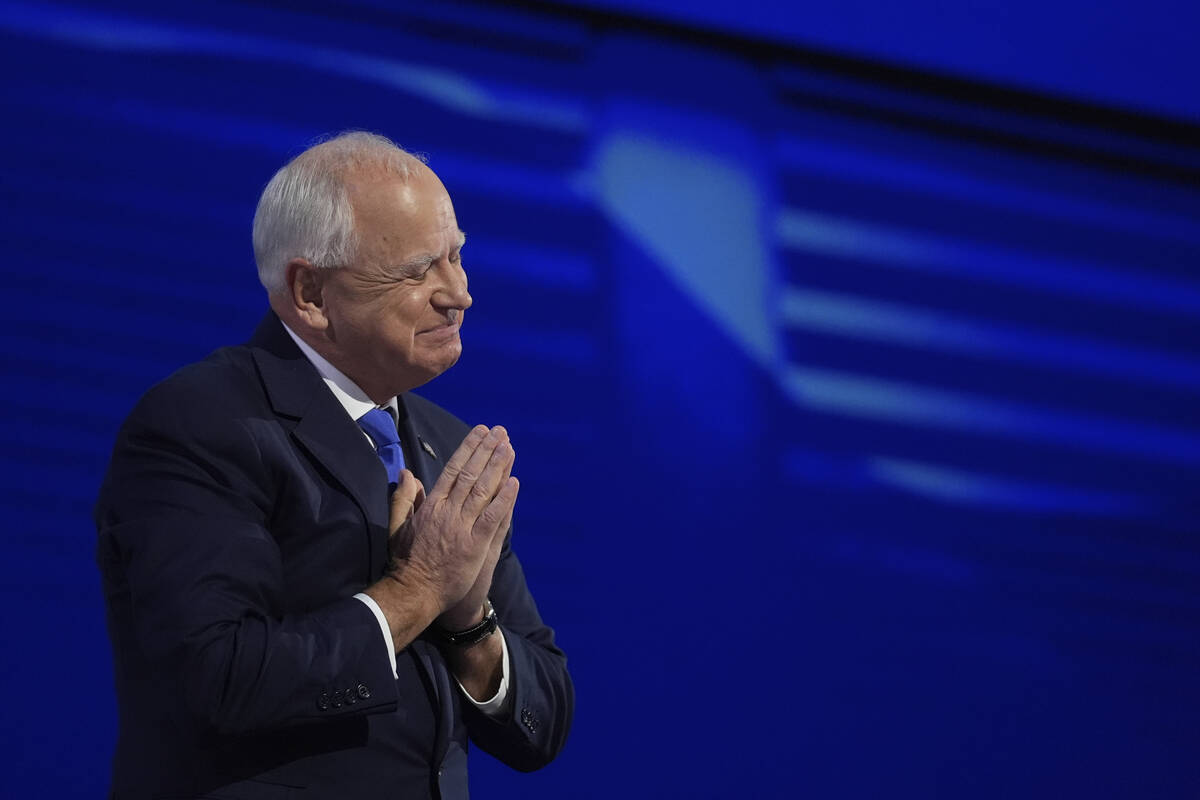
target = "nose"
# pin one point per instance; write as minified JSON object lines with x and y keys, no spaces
{"x":453,"y":292}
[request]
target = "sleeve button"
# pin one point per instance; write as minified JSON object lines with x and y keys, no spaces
{"x":323,"y":701}
{"x":363,"y":691}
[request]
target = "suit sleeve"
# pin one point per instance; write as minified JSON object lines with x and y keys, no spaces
{"x":196,"y":585}
{"x":537,"y":719}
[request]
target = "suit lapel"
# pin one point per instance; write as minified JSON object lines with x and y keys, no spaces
{"x":426,"y":462}
{"x":324,"y":429}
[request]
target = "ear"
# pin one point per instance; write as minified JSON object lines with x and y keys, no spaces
{"x":303,"y":292}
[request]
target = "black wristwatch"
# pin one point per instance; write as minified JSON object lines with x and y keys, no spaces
{"x":474,"y":634}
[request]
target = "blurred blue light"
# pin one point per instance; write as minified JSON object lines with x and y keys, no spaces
{"x":848,"y":315}
{"x":444,"y":87}
{"x":521,"y":260}
{"x":810,"y":231}
{"x":908,"y":404}
{"x":970,"y":488}
{"x":846,"y":163}
{"x":946,"y":484}
{"x":699,"y":214}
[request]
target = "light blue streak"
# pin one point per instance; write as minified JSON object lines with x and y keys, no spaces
{"x":900,"y":557}
{"x":810,"y":231}
{"x":553,"y":188}
{"x":541,"y":108}
{"x":907,"y":404}
{"x":970,"y":488}
{"x":831,"y":160}
{"x":194,"y":123}
{"x":543,"y":265}
{"x":980,"y":115}
{"x":953,"y":484}
{"x":444,"y":87}
{"x":847,"y":315}
{"x":699,"y":213}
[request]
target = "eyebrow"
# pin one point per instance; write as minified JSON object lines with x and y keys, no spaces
{"x":423,"y":262}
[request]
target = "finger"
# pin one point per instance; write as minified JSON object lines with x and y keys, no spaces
{"x":506,"y":523}
{"x":491,"y":479}
{"x":493,"y":522}
{"x":418,"y":493}
{"x":404,"y":499}
{"x":473,"y":469}
{"x":511,"y":461}
{"x":501,"y":532}
{"x":458,"y":460}
{"x":507,"y":458}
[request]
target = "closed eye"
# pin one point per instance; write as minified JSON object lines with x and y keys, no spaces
{"x":414,"y":270}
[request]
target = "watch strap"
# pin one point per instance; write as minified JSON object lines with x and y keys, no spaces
{"x":474,"y":634}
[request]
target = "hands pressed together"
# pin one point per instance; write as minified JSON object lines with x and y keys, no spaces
{"x":445,"y":546}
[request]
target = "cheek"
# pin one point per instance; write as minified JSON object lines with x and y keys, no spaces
{"x":403,"y":317}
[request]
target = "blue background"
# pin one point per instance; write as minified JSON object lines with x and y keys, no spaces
{"x":852,"y":358}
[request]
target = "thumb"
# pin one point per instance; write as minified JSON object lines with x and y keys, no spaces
{"x":405,"y":500}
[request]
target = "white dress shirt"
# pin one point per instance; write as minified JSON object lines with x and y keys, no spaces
{"x":356,"y":403}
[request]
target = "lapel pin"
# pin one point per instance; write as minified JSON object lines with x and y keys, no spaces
{"x":426,"y":447}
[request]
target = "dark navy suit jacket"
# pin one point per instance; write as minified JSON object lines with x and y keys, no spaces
{"x":241,"y":512}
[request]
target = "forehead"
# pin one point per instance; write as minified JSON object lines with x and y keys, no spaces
{"x":413,"y":213}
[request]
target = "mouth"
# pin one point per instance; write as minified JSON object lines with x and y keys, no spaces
{"x":445,"y":329}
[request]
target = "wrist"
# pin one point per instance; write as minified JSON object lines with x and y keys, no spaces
{"x":462,"y":615}
{"x":457,"y":631}
{"x":404,"y":588}
{"x":455,"y":624}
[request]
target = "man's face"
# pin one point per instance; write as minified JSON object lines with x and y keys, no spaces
{"x":394,"y":313}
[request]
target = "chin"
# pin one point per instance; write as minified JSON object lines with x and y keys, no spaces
{"x":447,"y":356}
{"x":448,"y":363}
{"x":423,"y":373}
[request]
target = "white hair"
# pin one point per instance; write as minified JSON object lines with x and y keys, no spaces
{"x":305,"y":211}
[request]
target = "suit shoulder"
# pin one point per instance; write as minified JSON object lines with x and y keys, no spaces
{"x":206,"y":401}
{"x":222,"y":384}
{"x":194,"y":425}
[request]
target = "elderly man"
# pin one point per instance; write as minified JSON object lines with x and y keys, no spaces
{"x":309,"y":581}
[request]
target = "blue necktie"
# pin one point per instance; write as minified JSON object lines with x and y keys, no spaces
{"x":379,"y":426}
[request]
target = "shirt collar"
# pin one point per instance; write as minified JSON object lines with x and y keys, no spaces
{"x":347,"y":392}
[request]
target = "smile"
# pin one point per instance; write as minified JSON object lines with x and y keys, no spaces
{"x":448,"y":329}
